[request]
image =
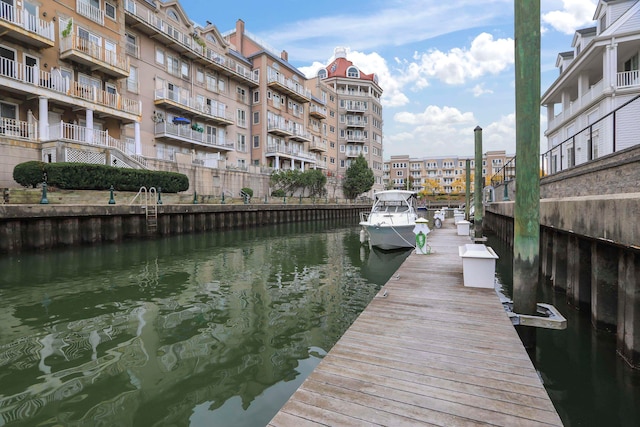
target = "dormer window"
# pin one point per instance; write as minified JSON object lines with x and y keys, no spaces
{"x":603,"y":23}
{"x":173,"y":15}
{"x":211,"y":38}
{"x":322,"y":73}
{"x":353,"y":72}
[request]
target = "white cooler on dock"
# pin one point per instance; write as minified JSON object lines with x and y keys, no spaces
{"x":478,"y":265}
{"x":463,"y":227}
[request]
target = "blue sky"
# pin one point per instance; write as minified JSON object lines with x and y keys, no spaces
{"x":446,"y":66}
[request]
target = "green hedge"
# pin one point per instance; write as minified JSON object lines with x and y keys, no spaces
{"x":85,"y":176}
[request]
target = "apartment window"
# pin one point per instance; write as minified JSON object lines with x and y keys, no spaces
{"x":342,"y":148}
{"x":132,"y":80}
{"x":159,"y":56}
{"x":353,"y":72}
{"x":242,"y":118}
{"x":184,"y":67}
{"x":256,"y":141}
{"x":242,"y":95}
{"x":256,"y":117}
{"x":131,"y":45}
{"x":256,"y":96}
{"x":200,"y":76}
{"x":110,"y":11}
{"x":242,"y":143}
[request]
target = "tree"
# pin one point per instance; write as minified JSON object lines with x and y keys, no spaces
{"x":359,"y":178}
{"x":432,"y":185}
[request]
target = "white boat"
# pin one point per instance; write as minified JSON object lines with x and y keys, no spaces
{"x":390,"y":223}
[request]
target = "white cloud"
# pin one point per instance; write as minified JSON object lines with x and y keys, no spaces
{"x":484,"y":56}
{"x":434,"y":115}
{"x":479,"y":90}
{"x":574,"y":14}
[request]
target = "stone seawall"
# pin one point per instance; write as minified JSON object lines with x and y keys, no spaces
{"x":38,"y":227}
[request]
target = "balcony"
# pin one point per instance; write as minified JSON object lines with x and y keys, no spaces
{"x":84,"y":8}
{"x":18,"y":129}
{"x":355,"y":138}
{"x":280,"y":129}
{"x":353,"y":153}
{"x":291,"y":88}
{"x":23,"y":79}
{"x":300,"y":134}
{"x":291,"y":152}
{"x":96,"y":57}
{"x":20,"y":25}
{"x":317,"y":144}
{"x":174,"y":100}
{"x":67,"y":132}
{"x":184,"y":133}
{"x":355,"y":122}
{"x":143,"y":19}
{"x":318,"y":112}
{"x":355,"y":107}
{"x":628,"y":79}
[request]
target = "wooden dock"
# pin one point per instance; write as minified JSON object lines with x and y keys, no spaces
{"x":430,"y":352}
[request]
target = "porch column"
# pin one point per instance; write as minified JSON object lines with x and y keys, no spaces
{"x":610,"y":67}
{"x":89,"y":136}
{"x":43,"y":118}
{"x":136,"y":137}
{"x":277,"y":162}
{"x":302,"y":166}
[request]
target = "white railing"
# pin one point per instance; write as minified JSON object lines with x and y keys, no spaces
{"x":18,"y":129}
{"x":275,"y":125}
{"x":69,"y":132}
{"x":317,"y":109}
{"x":292,"y":85}
{"x":95,"y":51}
{"x":628,"y":78}
{"x":148,"y":16}
{"x":187,"y":133}
{"x":217,"y":110}
{"x":84,"y":8}
{"x":56,"y":82}
{"x":291,"y":151}
{"x":22,"y":18}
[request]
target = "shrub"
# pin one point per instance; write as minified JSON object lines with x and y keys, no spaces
{"x":248,"y":191}
{"x":278,"y":193}
{"x":85,"y":176}
{"x":29,"y":174}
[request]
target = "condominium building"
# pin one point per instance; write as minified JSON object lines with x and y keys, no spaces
{"x":443,"y":174}
{"x":593,"y":106}
{"x":359,"y":124}
{"x":136,"y":83}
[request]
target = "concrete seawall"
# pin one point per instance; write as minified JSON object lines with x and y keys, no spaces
{"x":38,"y":227}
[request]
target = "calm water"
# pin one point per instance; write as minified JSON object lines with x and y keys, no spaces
{"x":195,"y":330}
{"x":588,"y":384}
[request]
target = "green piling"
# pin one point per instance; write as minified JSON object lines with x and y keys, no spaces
{"x":477,"y":183}
{"x":526,"y":242}
{"x":112,"y":201}
{"x":467,"y":198}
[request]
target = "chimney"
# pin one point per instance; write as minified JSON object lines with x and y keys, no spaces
{"x":284,"y":55}
{"x":239,"y":35}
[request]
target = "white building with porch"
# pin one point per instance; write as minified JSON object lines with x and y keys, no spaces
{"x":593,"y":106}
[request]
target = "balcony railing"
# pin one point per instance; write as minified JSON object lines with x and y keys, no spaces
{"x":290,"y":151}
{"x":108,"y":60}
{"x":317,"y":111}
{"x":68,"y":132}
{"x":293,"y":88}
{"x":84,"y":8}
{"x":217,"y":111}
{"x":355,"y":138}
{"x":18,"y":129}
{"x":56,"y":82}
{"x":186,"y":133}
{"x":188,"y":42}
{"x":23,"y":19}
{"x":628,"y":79}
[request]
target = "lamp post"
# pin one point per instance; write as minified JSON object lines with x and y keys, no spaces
{"x":159,"y":195}
{"x":112,"y":201}
{"x":44,"y":200}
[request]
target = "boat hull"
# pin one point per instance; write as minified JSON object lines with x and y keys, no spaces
{"x":389,"y":237}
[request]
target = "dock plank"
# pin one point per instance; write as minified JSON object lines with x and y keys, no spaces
{"x":428,"y":352}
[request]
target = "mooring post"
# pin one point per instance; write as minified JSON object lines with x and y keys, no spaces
{"x":112,"y":201}
{"x":477,"y":183}
{"x":159,"y":195}
{"x":467,"y":199}
{"x":526,"y":241}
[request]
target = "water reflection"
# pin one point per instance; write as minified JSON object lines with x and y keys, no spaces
{"x":588,"y":384}
{"x":181,"y":331}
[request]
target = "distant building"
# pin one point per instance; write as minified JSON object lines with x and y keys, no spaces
{"x":445,"y":174}
{"x":597,"y":76}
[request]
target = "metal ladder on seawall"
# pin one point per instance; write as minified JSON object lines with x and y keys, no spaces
{"x":150,"y":209}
